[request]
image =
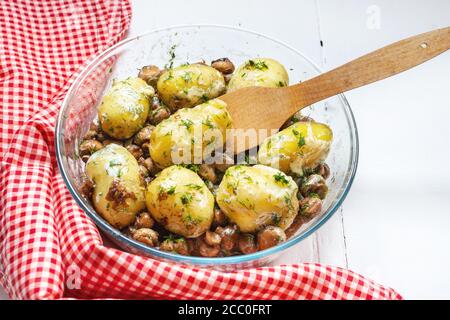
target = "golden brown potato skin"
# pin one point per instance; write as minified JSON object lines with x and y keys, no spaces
{"x":119,"y":189}
{"x":180,"y":201}
{"x":301,"y":146}
{"x":257,"y":196}
{"x":125,"y":107}
{"x":174,"y":140}
{"x":259,"y":72}
{"x":189,"y":85}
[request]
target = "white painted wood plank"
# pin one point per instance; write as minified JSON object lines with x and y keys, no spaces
{"x":293,"y":22}
{"x":326,"y":246}
{"x":397,"y":214}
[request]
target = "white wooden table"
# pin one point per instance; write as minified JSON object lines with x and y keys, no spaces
{"x":395,"y":224}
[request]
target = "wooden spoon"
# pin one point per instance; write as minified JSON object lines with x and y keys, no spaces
{"x":269,"y":108}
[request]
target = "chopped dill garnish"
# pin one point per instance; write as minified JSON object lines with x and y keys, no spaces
{"x":187,"y":76}
{"x":276,"y":219}
{"x":208,"y":123}
{"x":301,"y":141}
{"x":260,"y":65}
{"x":188,"y":219}
{"x":171,"y":190}
{"x":280,"y":177}
{"x":169,"y":65}
{"x":169,"y":77}
{"x":164,"y":191}
{"x":187,"y":123}
{"x":173,"y":238}
{"x":288,"y":201}
{"x":314,"y":195}
{"x":114,"y":163}
{"x":186,"y":198}
{"x":249,"y":206}
{"x":194,"y":186}
{"x":192,"y":167}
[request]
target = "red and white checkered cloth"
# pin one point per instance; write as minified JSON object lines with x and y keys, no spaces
{"x":48,"y":247}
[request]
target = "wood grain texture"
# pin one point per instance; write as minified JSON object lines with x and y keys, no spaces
{"x":269,"y":108}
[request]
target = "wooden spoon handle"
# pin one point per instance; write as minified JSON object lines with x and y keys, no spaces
{"x":372,"y":67}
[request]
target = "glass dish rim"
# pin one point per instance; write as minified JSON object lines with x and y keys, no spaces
{"x":118,"y":236}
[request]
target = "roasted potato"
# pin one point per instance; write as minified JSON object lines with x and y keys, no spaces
{"x":258,"y":196}
{"x":187,"y":135}
{"x":301,"y":146}
{"x":189,"y":85}
{"x":118,"y":187}
{"x":180,"y":201}
{"x":259,"y":72}
{"x":125,"y":107}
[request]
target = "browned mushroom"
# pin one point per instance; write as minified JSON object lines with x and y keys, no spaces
{"x":146,"y":149}
{"x":143,"y":135}
{"x":323,"y":169}
{"x":86,"y":187}
{"x":224,"y":65}
{"x":148,"y":164}
{"x":296,"y":224}
{"x":247,"y":243}
{"x":314,"y":185}
{"x":230,"y":237}
{"x":158,"y":115}
{"x":143,"y":171}
{"x":147,"y":236}
{"x":212,"y":238}
{"x":155,"y":103}
{"x":270,"y":237}
{"x":135,"y":150}
{"x":109,"y":141}
{"x":177,"y":245}
{"x":150,"y":74}
{"x":220,"y":219}
{"x":91,"y":134}
{"x":88,"y":147}
{"x":206,"y":250}
{"x":310,"y":207}
{"x":207,"y":172}
{"x":144,"y":220}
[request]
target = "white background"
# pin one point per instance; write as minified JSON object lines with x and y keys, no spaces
{"x":394,"y":226}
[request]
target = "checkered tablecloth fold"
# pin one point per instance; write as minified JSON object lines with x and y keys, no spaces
{"x":48,"y":247}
